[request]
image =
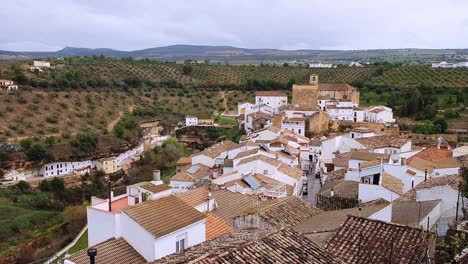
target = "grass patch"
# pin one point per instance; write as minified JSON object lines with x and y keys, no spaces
{"x":82,"y":243}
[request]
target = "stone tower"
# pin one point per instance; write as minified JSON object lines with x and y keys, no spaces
{"x":306,"y":95}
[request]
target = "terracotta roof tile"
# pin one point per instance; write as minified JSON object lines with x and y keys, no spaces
{"x":362,"y":155}
{"x":185,"y":175}
{"x":332,"y":220}
{"x":346,"y":189}
{"x":382,"y":142}
{"x":215,"y":247}
{"x":232,"y":204}
{"x":184,"y":161}
{"x":392,"y":183}
{"x":218,"y":148}
{"x":156,"y":188}
{"x":451,"y":180}
{"x":263,"y":158}
{"x":116,"y":251}
{"x":164,"y":215}
{"x":433,"y":154}
{"x":412,"y":212}
{"x":362,"y":240}
{"x":284,"y":246}
{"x":336,"y":175}
{"x":292,"y":172}
{"x":216,"y":227}
{"x":285,"y":212}
{"x":195,"y":196}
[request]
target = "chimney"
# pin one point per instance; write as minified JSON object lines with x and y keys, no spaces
{"x":403,"y":161}
{"x":360,"y":212}
{"x":332,"y":192}
{"x":92,"y":252}
{"x":157,"y":177}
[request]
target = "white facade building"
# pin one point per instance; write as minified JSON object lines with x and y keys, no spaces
{"x":294,"y":124}
{"x":191,"y":120}
{"x":54,"y":169}
{"x":45,"y":64}
{"x":321,"y":65}
{"x":379,"y":114}
{"x":273,"y":99}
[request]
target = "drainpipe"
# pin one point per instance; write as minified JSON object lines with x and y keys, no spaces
{"x":109,"y":185}
{"x":425,"y":175}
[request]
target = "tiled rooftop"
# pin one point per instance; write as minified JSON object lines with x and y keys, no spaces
{"x":433,"y":154}
{"x":156,"y":188}
{"x":115,"y":251}
{"x":285,"y":212}
{"x":392,"y":183}
{"x":185,"y":175}
{"x":164,"y":215}
{"x":216,"y":227}
{"x":382,"y":142}
{"x":231,"y":204}
{"x":218,"y":148}
{"x":195,"y":196}
{"x":284,"y":246}
{"x":362,"y":240}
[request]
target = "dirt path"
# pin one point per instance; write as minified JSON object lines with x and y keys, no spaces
{"x":114,"y":122}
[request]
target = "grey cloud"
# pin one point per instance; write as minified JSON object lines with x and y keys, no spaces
{"x":285,"y":24}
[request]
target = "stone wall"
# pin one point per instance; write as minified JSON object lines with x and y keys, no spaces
{"x":317,"y":123}
{"x":352,"y":95}
{"x":305,"y":95}
{"x":430,"y":139}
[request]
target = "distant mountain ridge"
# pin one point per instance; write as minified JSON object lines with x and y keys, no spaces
{"x":229,"y":53}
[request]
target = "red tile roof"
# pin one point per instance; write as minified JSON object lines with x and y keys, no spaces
{"x":433,"y":154}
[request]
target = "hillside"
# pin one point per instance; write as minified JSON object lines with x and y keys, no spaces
{"x":228,"y":53}
{"x":104,"y":72}
{"x":94,"y":93}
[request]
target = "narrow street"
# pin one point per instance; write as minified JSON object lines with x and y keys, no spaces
{"x":313,"y":187}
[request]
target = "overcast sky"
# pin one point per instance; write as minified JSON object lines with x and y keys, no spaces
{"x":284,"y":24}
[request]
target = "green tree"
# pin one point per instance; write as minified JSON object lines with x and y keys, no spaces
{"x":85,"y":142}
{"x":36,"y":153}
{"x":23,"y":187}
{"x":26,"y":143}
{"x":50,"y":141}
{"x":424,"y":128}
{"x":187,"y":70}
{"x":443,"y":125}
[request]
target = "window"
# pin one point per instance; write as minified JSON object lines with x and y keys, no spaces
{"x":181,"y":242}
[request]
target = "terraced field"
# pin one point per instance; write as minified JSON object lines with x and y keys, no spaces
{"x":408,"y":76}
{"x":96,"y":72}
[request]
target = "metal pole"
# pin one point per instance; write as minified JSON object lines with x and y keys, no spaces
{"x":458,"y":201}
